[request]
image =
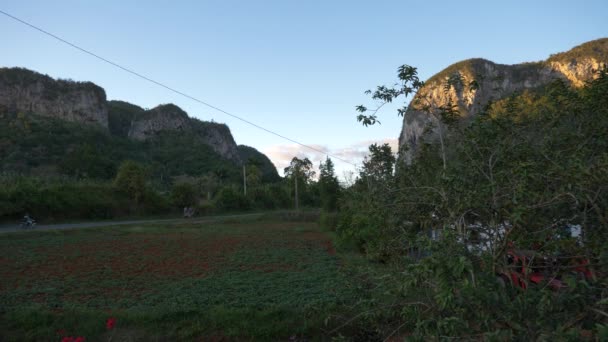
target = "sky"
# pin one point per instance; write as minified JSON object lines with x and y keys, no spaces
{"x":298,"y":68}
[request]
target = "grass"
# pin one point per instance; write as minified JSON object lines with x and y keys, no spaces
{"x":247,"y":279}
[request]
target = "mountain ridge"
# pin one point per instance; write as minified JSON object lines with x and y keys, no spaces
{"x":29,"y":93}
{"x":492,"y":81}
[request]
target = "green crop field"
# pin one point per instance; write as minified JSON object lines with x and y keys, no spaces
{"x":241,"y":280}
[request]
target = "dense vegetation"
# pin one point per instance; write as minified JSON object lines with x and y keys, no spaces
{"x":120,"y":116}
{"x":251,"y":156}
{"x":597,"y":49}
{"x":56,"y":169}
{"x":526,"y":173}
{"x":44,"y":146}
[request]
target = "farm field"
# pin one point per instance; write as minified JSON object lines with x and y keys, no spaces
{"x":253,"y":279}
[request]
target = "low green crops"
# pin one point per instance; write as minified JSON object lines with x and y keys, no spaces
{"x":257,"y":279}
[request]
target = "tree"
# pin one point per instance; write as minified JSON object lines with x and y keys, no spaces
{"x":183,"y":194}
{"x":254,"y":175}
{"x":131,"y":178}
{"x":86,"y":161}
{"x":378,"y":167}
{"x":300,"y":168}
{"x":329,"y":186}
{"x":300,"y":175}
{"x":410,"y":84}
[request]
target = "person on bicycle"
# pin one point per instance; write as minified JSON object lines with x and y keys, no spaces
{"x":28,"y":220}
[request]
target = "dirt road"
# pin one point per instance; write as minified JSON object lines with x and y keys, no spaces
{"x":15,"y":227}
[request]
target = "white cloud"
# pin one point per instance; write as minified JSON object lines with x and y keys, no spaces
{"x":281,"y":155}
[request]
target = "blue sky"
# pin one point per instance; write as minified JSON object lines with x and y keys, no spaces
{"x":295,"y":67}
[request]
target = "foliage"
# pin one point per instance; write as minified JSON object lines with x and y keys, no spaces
{"x":231,"y":198}
{"x":251,"y":156}
{"x":260,"y":280}
{"x":183,"y":195}
{"x":300,"y":174}
{"x":329,"y":187}
{"x":366,"y":206}
{"x":253,"y":175}
{"x":34,"y":145}
{"x":59,"y":199}
{"x":131,"y":179}
{"x":328,"y":220}
{"x":597,"y":49}
{"x":144,"y":173}
{"x":45,"y":146}
{"x":269,"y":196}
{"x":522,"y":175}
{"x":301,"y":169}
{"x":120,"y":116}
{"x":408,"y":84}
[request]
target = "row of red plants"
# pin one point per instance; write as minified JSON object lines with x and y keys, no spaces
{"x":110,"y":324}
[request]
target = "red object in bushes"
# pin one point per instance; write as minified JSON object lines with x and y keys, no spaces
{"x":73,"y":339}
{"x":529,"y":267}
{"x":110,"y":323}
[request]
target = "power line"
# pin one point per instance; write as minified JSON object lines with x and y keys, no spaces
{"x":167,"y":87}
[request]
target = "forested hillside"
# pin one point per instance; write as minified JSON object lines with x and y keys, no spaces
{"x":62,"y":146}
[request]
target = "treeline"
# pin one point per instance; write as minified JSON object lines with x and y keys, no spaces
{"x":516,"y":182}
{"x":133,"y":193}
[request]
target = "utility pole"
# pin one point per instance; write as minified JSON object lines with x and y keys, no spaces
{"x":244,"y":180}
{"x":296,"y":179}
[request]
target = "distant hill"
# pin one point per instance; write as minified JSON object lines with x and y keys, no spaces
{"x":60,"y":127}
{"x":26,"y":91}
{"x":250,"y":155}
{"x":493,"y":82}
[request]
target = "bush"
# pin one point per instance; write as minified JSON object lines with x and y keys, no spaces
{"x":206,"y":208}
{"x":57,"y":199}
{"x":269,"y":196}
{"x":183,"y":195}
{"x":230,"y":198}
{"x":328,"y":220}
{"x":155,"y":203}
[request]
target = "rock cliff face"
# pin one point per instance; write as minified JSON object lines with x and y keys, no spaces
{"x":171,"y":118}
{"x":167,"y":117}
{"x":29,"y":92}
{"x":26,"y":91}
{"x":217,"y":136}
{"x":476,"y":82}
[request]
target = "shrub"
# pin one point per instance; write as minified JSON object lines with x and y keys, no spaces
{"x":183,"y":195}
{"x":231,"y":198}
{"x":328,"y":220}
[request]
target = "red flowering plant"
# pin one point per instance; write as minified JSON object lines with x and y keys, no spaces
{"x":110,"y":323}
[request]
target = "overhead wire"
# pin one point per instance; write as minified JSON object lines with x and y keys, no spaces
{"x":146,"y":78}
